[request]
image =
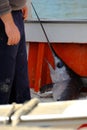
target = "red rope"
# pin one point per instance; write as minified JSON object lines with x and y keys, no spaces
{"x":82,"y":126}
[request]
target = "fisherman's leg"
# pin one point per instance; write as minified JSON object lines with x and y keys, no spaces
{"x":7,"y":66}
{"x":21,"y":91}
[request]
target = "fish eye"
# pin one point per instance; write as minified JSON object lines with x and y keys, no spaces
{"x":60,"y":64}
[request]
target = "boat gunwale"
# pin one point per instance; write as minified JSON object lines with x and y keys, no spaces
{"x":58,"y":21}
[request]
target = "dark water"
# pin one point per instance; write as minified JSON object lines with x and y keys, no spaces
{"x":61,"y":9}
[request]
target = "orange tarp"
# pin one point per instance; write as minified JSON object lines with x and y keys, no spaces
{"x":74,"y":55}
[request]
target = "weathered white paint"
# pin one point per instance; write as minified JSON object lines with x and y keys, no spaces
{"x":57,"y":31}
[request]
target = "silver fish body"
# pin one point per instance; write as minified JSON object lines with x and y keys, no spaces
{"x":66,"y":83}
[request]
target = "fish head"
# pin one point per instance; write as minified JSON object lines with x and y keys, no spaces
{"x":59,"y":73}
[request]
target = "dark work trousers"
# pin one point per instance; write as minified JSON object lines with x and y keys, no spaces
{"x":14,"y":84}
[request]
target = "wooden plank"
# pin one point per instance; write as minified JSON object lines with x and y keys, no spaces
{"x":73,"y":31}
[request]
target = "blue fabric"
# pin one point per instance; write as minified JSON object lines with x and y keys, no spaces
{"x":14,"y":83}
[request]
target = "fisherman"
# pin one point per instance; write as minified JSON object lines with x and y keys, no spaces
{"x":14,"y":84}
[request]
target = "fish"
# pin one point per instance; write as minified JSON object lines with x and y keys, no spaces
{"x":66,"y":84}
